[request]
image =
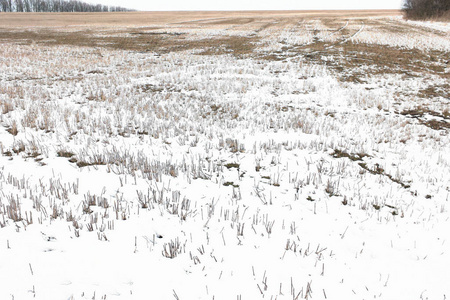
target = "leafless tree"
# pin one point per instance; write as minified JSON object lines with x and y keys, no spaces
{"x":55,"y":6}
{"x":425,"y":9}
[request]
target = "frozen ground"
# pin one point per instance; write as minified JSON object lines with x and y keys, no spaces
{"x":283,"y":158}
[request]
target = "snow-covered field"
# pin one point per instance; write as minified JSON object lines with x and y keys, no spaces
{"x":310,"y":160}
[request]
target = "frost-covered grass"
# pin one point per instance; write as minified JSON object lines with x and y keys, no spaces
{"x":273,"y":159}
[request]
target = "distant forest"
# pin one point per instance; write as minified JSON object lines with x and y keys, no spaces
{"x":55,"y":6}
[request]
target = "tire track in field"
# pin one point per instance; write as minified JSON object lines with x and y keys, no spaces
{"x":353,"y":35}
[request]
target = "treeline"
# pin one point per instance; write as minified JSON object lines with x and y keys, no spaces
{"x":426,"y":9}
{"x":55,"y":6}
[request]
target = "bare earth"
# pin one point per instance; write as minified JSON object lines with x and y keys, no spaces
{"x":158,"y":18}
{"x":244,"y":34}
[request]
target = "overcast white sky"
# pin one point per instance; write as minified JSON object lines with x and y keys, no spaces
{"x":251,"y":4}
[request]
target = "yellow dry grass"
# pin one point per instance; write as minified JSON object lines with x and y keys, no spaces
{"x":163,"y":18}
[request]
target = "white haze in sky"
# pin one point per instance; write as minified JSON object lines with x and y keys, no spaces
{"x":159,"y":5}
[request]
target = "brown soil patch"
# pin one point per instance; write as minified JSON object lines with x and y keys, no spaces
{"x":134,"y":40}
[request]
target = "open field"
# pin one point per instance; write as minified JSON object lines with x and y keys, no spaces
{"x":134,"y":19}
{"x":212,"y":155}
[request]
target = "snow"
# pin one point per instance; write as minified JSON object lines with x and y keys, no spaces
{"x":233,"y":162}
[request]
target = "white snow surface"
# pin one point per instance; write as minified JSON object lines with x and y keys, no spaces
{"x":233,"y":163}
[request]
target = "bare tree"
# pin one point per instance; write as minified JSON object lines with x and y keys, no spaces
{"x":26,"y":6}
{"x":55,"y":6}
{"x":19,"y":6}
{"x":425,"y":9}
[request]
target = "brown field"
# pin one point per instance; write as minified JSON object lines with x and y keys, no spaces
{"x":167,"y":31}
{"x":245,"y":34}
{"x":163,"y":18}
